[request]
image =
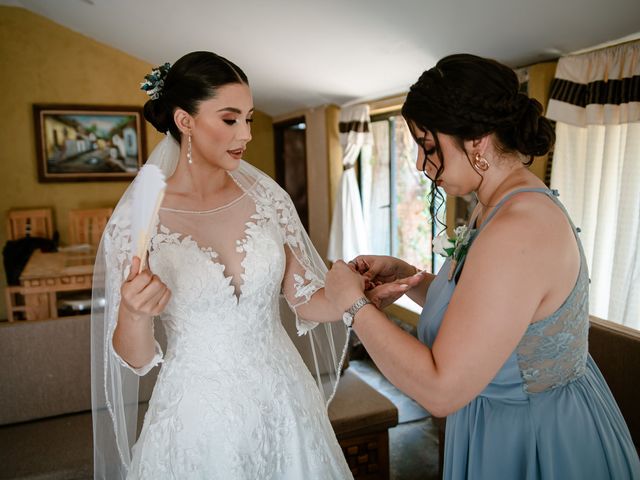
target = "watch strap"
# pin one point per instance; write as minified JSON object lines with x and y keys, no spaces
{"x":357,"y":305}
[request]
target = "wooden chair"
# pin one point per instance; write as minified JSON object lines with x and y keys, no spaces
{"x":16,"y":309}
{"x":25,"y":223}
{"x":42,"y":302}
{"x":34,"y":223}
{"x":86,"y":226}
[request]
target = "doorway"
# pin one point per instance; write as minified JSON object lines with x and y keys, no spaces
{"x":291,"y":163}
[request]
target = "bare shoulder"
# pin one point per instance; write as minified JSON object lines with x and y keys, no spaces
{"x":528,"y":207}
{"x":535,"y":218}
{"x":533,"y":242}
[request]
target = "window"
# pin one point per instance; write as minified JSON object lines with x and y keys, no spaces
{"x":396,"y":196}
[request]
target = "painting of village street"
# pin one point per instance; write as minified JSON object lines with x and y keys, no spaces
{"x":87,"y":143}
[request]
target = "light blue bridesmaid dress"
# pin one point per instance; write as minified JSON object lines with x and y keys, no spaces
{"x":548,"y":413}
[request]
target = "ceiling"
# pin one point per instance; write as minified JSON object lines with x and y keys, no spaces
{"x":301,"y":54}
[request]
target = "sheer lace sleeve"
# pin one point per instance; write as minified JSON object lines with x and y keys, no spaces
{"x":303,"y":276}
{"x":116,"y":253}
{"x":304,"y":272}
{"x":298,"y":286}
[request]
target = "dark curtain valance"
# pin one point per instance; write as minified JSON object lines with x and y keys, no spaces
{"x":354,"y":126}
{"x":601,"y":92}
{"x":597,"y":88}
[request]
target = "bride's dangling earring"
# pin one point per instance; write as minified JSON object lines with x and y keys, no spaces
{"x":189,"y":158}
{"x":480,"y":163}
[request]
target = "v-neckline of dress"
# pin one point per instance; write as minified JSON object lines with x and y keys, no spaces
{"x":214,"y":257}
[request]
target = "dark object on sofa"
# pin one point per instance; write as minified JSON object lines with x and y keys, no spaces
{"x":16,"y":253}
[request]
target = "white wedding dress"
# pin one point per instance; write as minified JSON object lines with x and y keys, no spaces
{"x":233,"y":399}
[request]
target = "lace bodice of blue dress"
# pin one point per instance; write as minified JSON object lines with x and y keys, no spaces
{"x":547,"y":413}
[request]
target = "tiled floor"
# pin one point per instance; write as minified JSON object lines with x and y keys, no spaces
{"x":413,"y":444}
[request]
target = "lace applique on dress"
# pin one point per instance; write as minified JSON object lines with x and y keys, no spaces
{"x":553,"y":351}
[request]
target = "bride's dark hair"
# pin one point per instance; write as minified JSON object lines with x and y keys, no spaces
{"x":194,"y":78}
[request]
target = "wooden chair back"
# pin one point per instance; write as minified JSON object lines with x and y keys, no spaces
{"x":34,"y":223}
{"x":86,"y":226}
{"x":40,"y":306}
{"x":16,"y":309}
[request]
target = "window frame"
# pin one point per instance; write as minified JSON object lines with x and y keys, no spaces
{"x":392,"y":206}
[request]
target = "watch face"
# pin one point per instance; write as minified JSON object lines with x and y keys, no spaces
{"x":347,"y":318}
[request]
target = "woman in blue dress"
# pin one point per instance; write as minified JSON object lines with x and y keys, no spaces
{"x":502,"y":349}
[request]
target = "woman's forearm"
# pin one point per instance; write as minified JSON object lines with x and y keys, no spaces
{"x":402,"y":359}
{"x":133,"y":338}
{"x":319,"y":309}
{"x":419,"y":293}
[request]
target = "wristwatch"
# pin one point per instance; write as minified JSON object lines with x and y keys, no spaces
{"x":347,"y":317}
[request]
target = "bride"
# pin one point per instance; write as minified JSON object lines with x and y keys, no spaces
{"x":233,"y":399}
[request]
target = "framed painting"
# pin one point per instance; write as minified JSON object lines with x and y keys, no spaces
{"x":80,"y":143}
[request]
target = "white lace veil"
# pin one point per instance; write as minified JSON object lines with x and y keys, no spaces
{"x":114,"y":387}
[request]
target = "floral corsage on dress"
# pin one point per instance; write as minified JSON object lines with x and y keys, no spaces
{"x":455,"y":247}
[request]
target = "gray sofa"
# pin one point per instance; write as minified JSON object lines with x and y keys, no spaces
{"x":616,"y":350}
{"x":45,"y":418}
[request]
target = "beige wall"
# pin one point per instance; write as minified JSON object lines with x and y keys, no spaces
{"x":261,"y":151}
{"x":43,"y":62}
{"x":323,"y":158}
{"x":540,"y":77}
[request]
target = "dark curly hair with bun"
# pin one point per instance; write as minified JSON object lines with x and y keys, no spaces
{"x":467,"y":97}
{"x":194,"y":78}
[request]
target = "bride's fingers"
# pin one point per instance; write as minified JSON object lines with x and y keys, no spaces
{"x":370,"y":285}
{"x":162,"y":302}
{"x":153,"y":299}
{"x":362,"y":266}
{"x":133,"y":270}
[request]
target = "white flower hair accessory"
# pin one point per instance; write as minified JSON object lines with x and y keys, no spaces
{"x":455,"y":247}
{"x":154,"y":81}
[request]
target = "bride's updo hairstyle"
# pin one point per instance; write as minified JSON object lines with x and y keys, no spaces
{"x":467,"y":97}
{"x":194,"y":78}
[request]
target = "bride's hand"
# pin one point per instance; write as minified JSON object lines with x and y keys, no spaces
{"x":143,"y":294}
{"x":343,"y":285}
{"x":381,"y":269}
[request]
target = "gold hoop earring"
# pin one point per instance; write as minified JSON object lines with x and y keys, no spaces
{"x":189,"y":158}
{"x":480,"y":163}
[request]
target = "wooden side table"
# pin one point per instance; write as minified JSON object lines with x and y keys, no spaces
{"x":48,"y":273}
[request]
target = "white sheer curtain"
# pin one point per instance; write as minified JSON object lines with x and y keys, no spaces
{"x":376,"y":191}
{"x":595,"y":100}
{"x":348,"y":236}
